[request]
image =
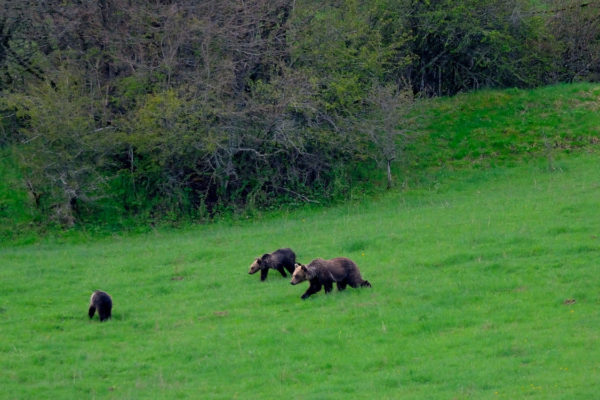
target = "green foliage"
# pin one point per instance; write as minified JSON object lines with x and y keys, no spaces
{"x":64,"y":154}
{"x":347,"y":46}
{"x":484,"y":286}
{"x":17,"y":215}
{"x":9,"y":124}
{"x":473,"y":44}
{"x":142,"y":111}
{"x":577,"y":33}
{"x":163,"y":168}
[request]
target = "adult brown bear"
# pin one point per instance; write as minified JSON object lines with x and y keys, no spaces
{"x":102,"y":302}
{"x":320,"y":272}
{"x":279,"y":259}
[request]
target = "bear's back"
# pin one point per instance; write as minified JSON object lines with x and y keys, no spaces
{"x":338,"y":268}
{"x":343,"y":262}
{"x":101,"y":299}
{"x":282,"y":256}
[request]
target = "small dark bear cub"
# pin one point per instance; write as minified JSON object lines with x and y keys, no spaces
{"x":320,"y":272}
{"x":102,"y":302}
{"x":279,"y":259}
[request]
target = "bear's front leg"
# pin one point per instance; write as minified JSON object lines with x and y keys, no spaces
{"x":312,"y":289}
{"x":263,"y":274}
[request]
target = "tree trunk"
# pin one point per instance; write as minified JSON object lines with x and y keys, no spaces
{"x":389,"y":174}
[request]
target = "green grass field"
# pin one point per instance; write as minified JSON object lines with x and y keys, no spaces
{"x":486,"y":285}
{"x":491,"y":127}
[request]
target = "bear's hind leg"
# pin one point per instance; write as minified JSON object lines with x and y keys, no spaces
{"x":290,"y":267}
{"x":341,"y":285}
{"x":328,"y":287}
{"x":103,"y":314}
{"x":281,"y":271}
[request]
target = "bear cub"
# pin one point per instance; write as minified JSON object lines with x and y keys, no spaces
{"x":320,"y":272}
{"x":102,"y":302}
{"x":279,"y":259}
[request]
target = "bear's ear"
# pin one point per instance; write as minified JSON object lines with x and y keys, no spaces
{"x":258,"y":260}
{"x":303,"y":268}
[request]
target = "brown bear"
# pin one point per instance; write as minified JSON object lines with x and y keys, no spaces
{"x":102,"y":302}
{"x":319,"y":272}
{"x":276,"y":260}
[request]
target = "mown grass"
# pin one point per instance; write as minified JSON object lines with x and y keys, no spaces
{"x":484,"y":287}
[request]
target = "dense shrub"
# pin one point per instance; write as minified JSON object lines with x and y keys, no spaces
{"x":190,"y":108}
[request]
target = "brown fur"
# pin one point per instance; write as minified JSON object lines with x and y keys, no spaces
{"x":320,"y":272}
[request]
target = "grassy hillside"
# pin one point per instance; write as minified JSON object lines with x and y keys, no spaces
{"x":495,"y":126}
{"x":485,"y":288}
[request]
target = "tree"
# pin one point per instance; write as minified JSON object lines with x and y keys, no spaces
{"x":576,"y":33}
{"x":65,"y":153}
{"x":460,"y":46}
{"x":388,"y":120}
{"x":179,"y":106}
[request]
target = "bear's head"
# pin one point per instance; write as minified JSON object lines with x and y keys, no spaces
{"x":258,"y":264}
{"x":300,"y":274}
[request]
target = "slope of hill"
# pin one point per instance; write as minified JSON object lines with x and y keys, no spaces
{"x":473,"y":130}
{"x":491,"y":126}
{"x":484,"y":286}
